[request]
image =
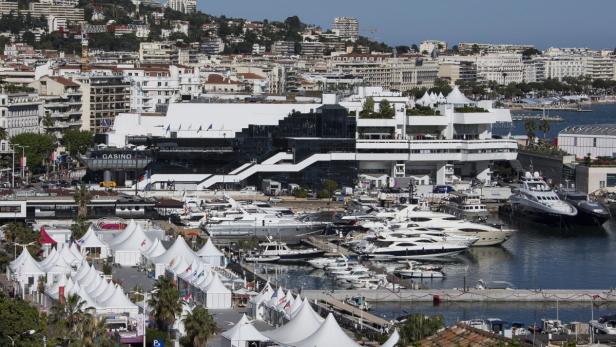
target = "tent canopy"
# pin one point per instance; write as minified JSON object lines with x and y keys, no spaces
{"x":244,"y":331}
{"x":302,"y":325}
{"x":328,"y":334}
{"x":392,"y":340}
{"x":456,"y":97}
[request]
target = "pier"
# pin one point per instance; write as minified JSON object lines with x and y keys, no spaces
{"x":471,"y":295}
{"x":331,"y":249}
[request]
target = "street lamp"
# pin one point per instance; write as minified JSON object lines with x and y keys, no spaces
{"x":145,"y":309}
{"x":27,"y":332}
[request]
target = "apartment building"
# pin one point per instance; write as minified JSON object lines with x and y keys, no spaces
{"x":105,"y":94}
{"x":62,"y":102}
{"x":184,"y":6}
{"x":599,"y":67}
{"x":283,"y":48}
{"x":212,"y":46}
{"x":502,"y":68}
{"x":559,"y":67}
{"x":156,"y":52}
{"x":20,"y":113}
{"x":470,"y":47}
{"x":346,"y":28}
{"x":312,"y":49}
{"x":454,"y":71}
{"x":429,"y":46}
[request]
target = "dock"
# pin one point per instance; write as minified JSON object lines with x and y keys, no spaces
{"x":330,"y":248}
{"x":346,"y":314}
{"x":472,"y":295}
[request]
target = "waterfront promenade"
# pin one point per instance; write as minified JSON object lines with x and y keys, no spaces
{"x":470,"y":295}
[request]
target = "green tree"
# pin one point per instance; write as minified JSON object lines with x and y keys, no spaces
{"x":330,"y":187}
{"x":79,"y":227}
{"x":368,"y":108}
{"x":3,"y":134}
{"x":48,"y":123}
{"x":385,"y":109}
{"x":93,"y":332}
{"x":200,"y":327}
{"x":475,"y":49}
{"x":67,"y":316}
{"x":418,"y":327}
{"x":77,"y":141}
{"x":19,"y":316}
{"x":82,"y":197}
{"x":544,"y":127}
{"x":20,"y":233}
{"x":530,"y":127}
{"x":165,"y":303}
{"x":38,"y":147}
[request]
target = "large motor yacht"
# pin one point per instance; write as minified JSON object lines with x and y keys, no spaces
{"x":536,"y":200}
{"x":412,"y":248}
{"x":589,"y":212}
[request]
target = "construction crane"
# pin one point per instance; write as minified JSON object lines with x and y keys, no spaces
{"x":85,"y":60}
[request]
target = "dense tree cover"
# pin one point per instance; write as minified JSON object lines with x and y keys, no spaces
{"x":77,"y":141}
{"x":16,"y":22}
{"x":38,"y":147}
{"x":17,"y":317}
{"x":418,"y":327}
{"x":109,"y":42}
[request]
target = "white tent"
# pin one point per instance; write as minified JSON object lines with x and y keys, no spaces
{"x":217,"y":296}
{"x":123,"y":235}
{"x":242,"y":334}
{"x":129,"y":252}
{"x":392,"y":340}
{"x":425,"y":100}
{"x":70,"y":253}
{"x":91,"y":245}
{"x":155,"y":250}
{"x":211,"y":255}
{"x":118,"y":302}
{"x":456,"y":97}
{"x":26,"y":271}
{"x":304,"y":324}
{"x":179,"y":249}
{"x":297,"y":304}
{"x":258,"y":302}
{"x":328,"y":334}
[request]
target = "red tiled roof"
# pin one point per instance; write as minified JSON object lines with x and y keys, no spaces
{"x":463,"y":335}
{"x":250,"y":76}
{"x":65,"y":81}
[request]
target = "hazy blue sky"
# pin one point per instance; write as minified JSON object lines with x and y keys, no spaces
{"x":544,"y":23}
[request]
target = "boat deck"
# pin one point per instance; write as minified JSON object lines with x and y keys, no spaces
{"x":329,"y":248}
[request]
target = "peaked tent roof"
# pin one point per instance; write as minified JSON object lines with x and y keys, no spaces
{"x":125,"y":234}
{"x":243,"y":330}
{"x":118,"y":300}
{"x":50,"y":259}
{"x":328,"y":334}
{"x":216,"y":287}
{"x":91,"y":240}
{"x":297,"y":304}
{"x":155,"y":250}
{"x":179,"y":248}
{"x":137,"y":241}
{"x":302,"y":325}
{"x":26,"y":264}
{"x":457,"y":98}
{"x":209,"y":250}
{"x":392,"y":340}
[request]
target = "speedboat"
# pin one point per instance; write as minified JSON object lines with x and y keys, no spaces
{"x":413,"y":270}
{"x":536,"y":200}
{"x":321,"y":263}
{"x":280,"y":249}
{"x":261,"y":259}
{"x":358,"y":302}
{"x":605,"y":325}
{"x":412,"y":248}
{"x":404,"y":234}
{"x":589,"y":212}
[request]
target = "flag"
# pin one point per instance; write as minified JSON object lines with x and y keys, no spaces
{"x":188,"y":268}
{"x":53,"y":156}
{"x":23,"y":162}
{"x":187,"y":297}
{"x":200,"y":128}
{"x":168,"y":127}
{"x":143,"y":243}
{"x":210,"y":127}
{"x":180,"y":127}
{"x":201,"y":273}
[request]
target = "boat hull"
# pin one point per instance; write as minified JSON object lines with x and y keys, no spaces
{"x":415,"y":253}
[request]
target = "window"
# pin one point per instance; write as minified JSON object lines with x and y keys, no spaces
{"x":594,"y":142}
{"x":611,"y":180}
{"x":601,"y":184}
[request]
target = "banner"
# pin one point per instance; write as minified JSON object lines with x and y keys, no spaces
{"x":22,"y":162}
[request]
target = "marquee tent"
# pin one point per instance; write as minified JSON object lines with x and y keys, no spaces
{"x":90,"y":245}
{"x":328,"y":334}
{"x":217,"y":296}
{"x":242,"y":334}
{"x":212,"y":255}
{"x":305,"y":322}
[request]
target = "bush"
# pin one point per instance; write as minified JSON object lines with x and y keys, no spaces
{"x":422,"y":111}
{"x":300,"y":193}
{"x":469,"y":109}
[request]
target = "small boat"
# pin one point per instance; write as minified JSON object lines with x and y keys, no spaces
{"x":358,"y":302}
{"x":321,"y":263}
{"x":281,"y":250}
{"x":261,"y":259}
{"x":421,"y":271}
{"x":605,"y":325}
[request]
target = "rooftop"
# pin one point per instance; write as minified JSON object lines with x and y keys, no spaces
{"x":591,"y":129}
{"x":463,"y":335}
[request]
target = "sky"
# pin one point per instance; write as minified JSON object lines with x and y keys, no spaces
{"x":543,"y":23}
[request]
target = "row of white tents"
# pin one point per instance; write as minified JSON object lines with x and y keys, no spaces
{"x":67,"y":272}
{"x":133,"y":246}
{"x":305,"y":327}
{"x":455,"y":97}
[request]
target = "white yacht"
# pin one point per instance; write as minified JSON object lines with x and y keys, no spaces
{"x":605,"y":325}
{"x":410,"y":216}
{"x":404,"y":234}
{"x":241,"y":222}
{"x":536,"y":200}
{"x":280,"y":249}
{"x":415,"y":270}
{"x":412,"y":248}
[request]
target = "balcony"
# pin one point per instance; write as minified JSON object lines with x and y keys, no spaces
{"x":427,"y":120}
{"x":376,"y":122}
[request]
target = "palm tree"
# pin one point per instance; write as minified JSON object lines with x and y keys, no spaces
{"x":82,"y":197}
{"x":199,"y":326}
{"x":530,"y":130}
{"x":165,"y":302}
{"x":544,"y":127}
{"x":68,"y":315}
{"x":94,"y":332}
